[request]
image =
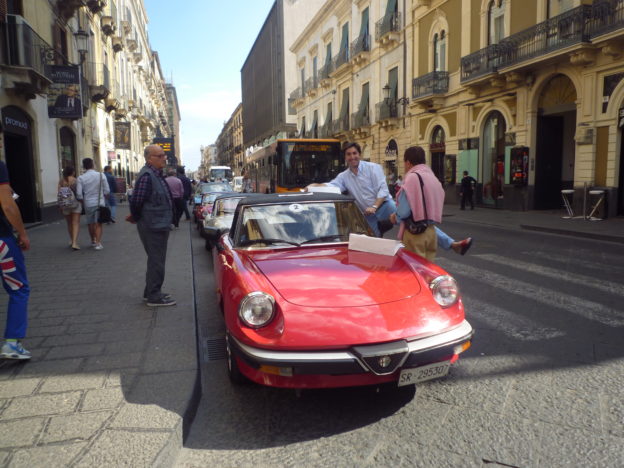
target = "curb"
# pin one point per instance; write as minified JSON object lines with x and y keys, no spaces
{"x":566,"y":232}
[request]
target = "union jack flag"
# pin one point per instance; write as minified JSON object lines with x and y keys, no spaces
{"x":8,"y":266}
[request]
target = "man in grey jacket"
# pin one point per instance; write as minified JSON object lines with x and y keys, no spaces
{"x":151,"y":208}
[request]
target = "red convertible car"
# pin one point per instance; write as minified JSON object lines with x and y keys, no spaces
{"x":303,"y":310}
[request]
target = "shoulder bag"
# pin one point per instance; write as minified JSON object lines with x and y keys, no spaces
{"x":418,"y":227}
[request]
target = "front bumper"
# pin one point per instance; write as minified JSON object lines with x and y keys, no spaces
{"x":357,"y":360}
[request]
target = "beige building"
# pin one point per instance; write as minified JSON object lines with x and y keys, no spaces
{"x":525,"y":95}
{"x":230,"y":150}
{"x":118,"y":106}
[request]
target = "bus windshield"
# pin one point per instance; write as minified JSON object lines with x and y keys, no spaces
{"x":304,"y":163}
{"x":220,"y":173}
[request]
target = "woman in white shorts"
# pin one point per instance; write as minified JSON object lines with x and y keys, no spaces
{"x":71,"y":213}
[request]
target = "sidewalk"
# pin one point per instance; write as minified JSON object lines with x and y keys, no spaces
{"x":610,"y":229}
{"x":111,"y":379}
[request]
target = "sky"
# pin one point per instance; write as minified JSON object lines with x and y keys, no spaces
{"x":202,"y":45}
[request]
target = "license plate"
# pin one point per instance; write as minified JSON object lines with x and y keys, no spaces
{"x":424,"y":373}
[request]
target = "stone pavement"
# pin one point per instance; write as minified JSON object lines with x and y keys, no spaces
{"x":112,"y":382}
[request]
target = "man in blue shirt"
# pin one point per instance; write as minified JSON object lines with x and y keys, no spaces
{"x":366,"y":183}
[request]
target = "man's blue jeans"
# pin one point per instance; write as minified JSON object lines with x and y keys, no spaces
{"x":444,"y":240}
{"x":383,"y":213}
{"x":16,"y":285}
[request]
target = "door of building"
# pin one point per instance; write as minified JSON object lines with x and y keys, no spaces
{"x":548,"y":162}
{"x":620,"y":209}
{"x":20,"y":162}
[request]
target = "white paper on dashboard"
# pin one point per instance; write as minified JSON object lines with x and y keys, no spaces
{"x":374,"y":244}
{"x":324,"y":189}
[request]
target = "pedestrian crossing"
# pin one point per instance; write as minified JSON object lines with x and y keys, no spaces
{"x":540,"y":298}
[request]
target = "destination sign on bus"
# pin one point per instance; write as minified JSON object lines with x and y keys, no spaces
{"x":309,"y":147}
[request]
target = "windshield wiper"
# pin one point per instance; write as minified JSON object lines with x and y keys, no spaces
{"x":334,"y":237}
{"x":267,"y":241}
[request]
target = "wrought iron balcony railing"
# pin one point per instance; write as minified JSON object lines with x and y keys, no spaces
{"x":311,"y":83}
{"x":361,"y":44}
{"x":341,"y":124}
{"x":360,"y":119}
{"x":389,"y":23}
{"x":436,"y":82}
{"x":21,"y":46}
{"x":296,"y":94}
{"x":326,"y":70}
{"x":607,"y":16}
{"x":387,"y":110}
{"x":99,"y":78}
{"x":572,"y":27}
{"x":341,"y":58}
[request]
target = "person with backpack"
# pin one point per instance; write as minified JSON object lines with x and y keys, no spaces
{"x":69,"y":204}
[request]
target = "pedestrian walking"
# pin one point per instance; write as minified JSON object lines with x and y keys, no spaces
{"x":151,"y":208}
{"x":14,"y":277}
{"x":111,"y":200}
{"x":92,"y":188}
{"x":177,"y":192}
{"x":468,"y":184}
{"x":366,"y":183}
{"x":420,"y":203}
{"x":247,"y":184}
{"x":69,"y":205}
{"x":186,"y":183}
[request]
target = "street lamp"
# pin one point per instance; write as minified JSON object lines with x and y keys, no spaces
{"x":82,"y":43}
{"x":386,"y":93}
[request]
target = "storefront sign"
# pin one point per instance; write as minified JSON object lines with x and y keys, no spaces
{"x":392,"y":150}
{"x":14,"y":121}
{"x":64,"y":93}
{"x":122,"y":135}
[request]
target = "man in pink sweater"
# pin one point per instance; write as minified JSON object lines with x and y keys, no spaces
{"x":422,"y":198}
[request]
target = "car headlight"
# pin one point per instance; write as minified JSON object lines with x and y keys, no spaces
{"x":445,"y":290}
{"x":256,"y":309}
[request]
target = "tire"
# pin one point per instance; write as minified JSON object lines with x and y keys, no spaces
{"x":234,"y":373}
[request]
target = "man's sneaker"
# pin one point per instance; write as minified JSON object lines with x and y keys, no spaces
{"x":14,"y":350}
{"x":98,"y":247}
{"x":162,"y":302}
{"x":163,"y":296}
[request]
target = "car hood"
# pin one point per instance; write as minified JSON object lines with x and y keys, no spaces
{"x":337,"y":277}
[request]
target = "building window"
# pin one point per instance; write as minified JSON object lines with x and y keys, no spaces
{"x":68,"y":148}
{"x":556,"y":7}
{"x":439,"y":51}
{"x":496,"y":21}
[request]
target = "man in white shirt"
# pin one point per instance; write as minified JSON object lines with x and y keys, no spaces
{"x":92,"y":189}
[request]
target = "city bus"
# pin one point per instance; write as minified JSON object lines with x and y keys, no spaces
{"x":220,"y":173}
{"x":288,"y":165}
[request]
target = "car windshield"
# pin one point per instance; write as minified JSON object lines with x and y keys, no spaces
{"x":226,"y":207}
{"x":209,"y":198}
{"x":216,"y":187}
{"x":300,"y":223}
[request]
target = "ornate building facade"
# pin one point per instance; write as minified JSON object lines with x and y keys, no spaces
{"x":97,"y":53}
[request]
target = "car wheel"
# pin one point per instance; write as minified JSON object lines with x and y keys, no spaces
{"x":234,"y":373}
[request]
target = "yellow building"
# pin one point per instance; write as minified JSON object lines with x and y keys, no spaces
{"x":524,"y":95}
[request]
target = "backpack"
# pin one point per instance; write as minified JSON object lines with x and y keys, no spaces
{"x":66,"y":197}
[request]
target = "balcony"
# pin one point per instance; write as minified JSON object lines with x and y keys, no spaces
{"x":324,"y":74}
{"x":108,"y":25}
{"x":574,"y":27}
{"x":387,"y":30}
{"x":67,"y":8}
{"x":607,"y":16}
{"x":132,"y":44}
{"x":117,"y":44}
{"x":340,"y":125}
{"x":23,"y":58}
{"x":388,"y":114}
{"x":311,"y":85}
{"x":99,"y":77}
{"x":360,"y":50}
{"x":297,"y":97}
{"x":341,"y":62}
{"x":360,"y":123}
{"x":425,"y":88}
{"x":96,"y":6}
{"x":111,"y":104}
